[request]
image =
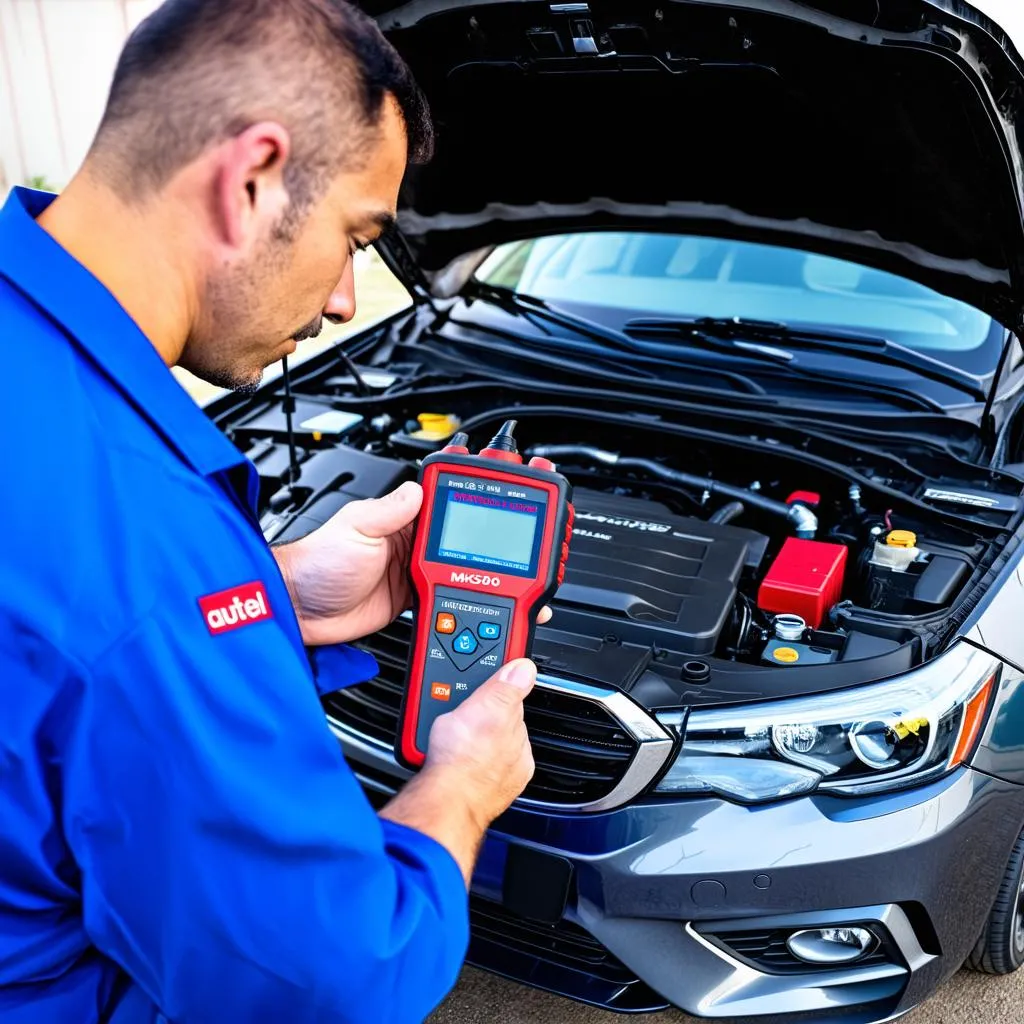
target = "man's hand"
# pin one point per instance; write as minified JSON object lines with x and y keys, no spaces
{"x":478,"y":761}
{"x":484,"y":741}
{"x":350,"y":578}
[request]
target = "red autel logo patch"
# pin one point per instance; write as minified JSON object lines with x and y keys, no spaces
{"x":234,"y":608}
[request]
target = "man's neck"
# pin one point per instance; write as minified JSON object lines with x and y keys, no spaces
{"x":131,"y":250}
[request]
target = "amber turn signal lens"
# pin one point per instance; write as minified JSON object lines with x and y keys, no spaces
{"x":974,"y":718}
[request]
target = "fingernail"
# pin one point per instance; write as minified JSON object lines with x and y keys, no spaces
{"x":521,"y":674}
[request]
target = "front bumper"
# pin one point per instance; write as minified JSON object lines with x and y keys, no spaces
{"x":658,"y":883}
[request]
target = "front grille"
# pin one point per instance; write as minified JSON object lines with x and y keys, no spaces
{"x":767,"y":951}
{"x":565,"y":944}
{"x":580,"y":749}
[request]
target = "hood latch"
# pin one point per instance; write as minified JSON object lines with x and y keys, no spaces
{"x":581,"y":27}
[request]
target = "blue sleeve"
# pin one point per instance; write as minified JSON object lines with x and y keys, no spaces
{"x":336,"y":666}
{"x":229,"y":860}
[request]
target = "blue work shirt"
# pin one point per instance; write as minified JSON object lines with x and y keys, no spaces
{"x":180,"y":837}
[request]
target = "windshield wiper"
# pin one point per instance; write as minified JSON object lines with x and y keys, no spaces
{"x":599,"y":357}
{"x":740,"y":332}
{"x":533,"y":310}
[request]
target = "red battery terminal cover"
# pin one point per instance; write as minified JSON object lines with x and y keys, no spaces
{"x":806,"y":579}
{"x":805,"y":498}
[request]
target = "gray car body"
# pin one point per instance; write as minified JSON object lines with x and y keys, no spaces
{"x":654,"y":875}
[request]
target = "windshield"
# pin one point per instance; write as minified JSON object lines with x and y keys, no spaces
{"x":690,"y":276}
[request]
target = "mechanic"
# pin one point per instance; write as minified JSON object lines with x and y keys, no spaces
{"x":180,"y":838}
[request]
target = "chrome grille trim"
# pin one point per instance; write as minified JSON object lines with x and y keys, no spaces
{"x":654,"y":746}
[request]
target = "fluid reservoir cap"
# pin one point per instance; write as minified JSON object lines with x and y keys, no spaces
{"x":785,"y":654}
{"x":789,"y":626}
{"x":434,"y":426}
{"x":901,"y":539}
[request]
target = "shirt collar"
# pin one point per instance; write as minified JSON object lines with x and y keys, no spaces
{"x":97,"y":324}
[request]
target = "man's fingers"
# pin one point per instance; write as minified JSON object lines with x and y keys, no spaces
{"x":544,"y":615}
{"x":382,"y":517}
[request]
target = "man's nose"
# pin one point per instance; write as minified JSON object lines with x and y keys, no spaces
{"x":341,"y":306}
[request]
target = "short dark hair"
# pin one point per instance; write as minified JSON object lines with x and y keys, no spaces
{"x":196,"y":72}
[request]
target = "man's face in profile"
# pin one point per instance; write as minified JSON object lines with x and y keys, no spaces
{"x":259,"y":308}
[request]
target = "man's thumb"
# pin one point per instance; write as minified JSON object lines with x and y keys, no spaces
{"x":381,"y":517}
{"x":520,"y":675}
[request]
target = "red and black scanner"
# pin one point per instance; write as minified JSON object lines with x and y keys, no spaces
{"x":489,"y":551}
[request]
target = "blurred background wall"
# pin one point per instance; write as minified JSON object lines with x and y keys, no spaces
{"x":56,"y":61}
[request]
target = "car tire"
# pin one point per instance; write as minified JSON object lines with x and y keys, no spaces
{"x":1000,"y":950}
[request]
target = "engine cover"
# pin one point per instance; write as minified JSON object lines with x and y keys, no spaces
{"x":641,"y":576}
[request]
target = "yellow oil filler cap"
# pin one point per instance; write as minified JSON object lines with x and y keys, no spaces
{"x":436,"y":426}
{"x":786,"y":654}
{"x":901,"y":539}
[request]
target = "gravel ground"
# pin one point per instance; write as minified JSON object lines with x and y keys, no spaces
{"x":484,"y":999}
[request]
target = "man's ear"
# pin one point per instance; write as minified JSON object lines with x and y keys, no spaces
{"x":249,"y":193}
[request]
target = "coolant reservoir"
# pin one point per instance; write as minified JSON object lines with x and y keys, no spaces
{"x":897,"y":551}
{"x":790,"y":645}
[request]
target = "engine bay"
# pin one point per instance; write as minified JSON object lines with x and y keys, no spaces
{"x":704,"y":567}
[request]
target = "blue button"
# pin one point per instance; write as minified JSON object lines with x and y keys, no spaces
{"x":489,"y":630}
{"x":465,"y":643}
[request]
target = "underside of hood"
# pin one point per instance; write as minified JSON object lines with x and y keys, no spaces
{"x":884,"y":132}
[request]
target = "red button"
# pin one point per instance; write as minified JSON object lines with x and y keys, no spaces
{"x":445,"y":623}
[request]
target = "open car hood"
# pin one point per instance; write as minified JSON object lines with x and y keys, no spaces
{"x":886,"y":132}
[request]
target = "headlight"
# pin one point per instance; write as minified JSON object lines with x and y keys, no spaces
{"x":903,"y":732}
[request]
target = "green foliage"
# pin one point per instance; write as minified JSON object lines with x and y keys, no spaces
{"x":40,"y":182}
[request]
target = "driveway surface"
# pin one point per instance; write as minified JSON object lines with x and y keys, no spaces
{"x":483,"y":999}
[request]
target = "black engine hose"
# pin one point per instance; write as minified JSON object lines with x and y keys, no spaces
{"x":727,"y":513}
{"x":805,"y":522}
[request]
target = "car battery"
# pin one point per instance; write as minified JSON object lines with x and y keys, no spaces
{"x":806,"y":579}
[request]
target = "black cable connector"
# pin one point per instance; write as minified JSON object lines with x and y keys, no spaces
{"x":504,"y":440}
